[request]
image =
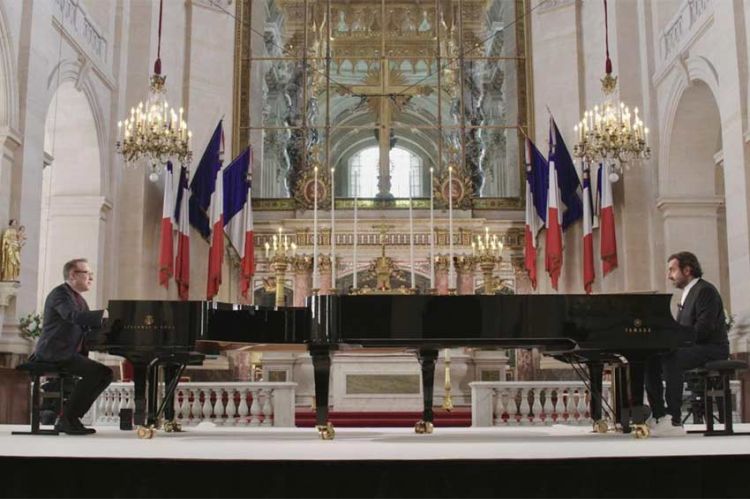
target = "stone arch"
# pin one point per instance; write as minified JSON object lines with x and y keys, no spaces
{"x":74,"y":209}
{"x":695,"y":71}
{"x":77,"y":72}
{"x":691,"y":188}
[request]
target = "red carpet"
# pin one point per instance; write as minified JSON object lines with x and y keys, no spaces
{"x":458,"y":417}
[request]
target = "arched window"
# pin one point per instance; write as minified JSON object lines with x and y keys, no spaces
{"x":364,"y":169}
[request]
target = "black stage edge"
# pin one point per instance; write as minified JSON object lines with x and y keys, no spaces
{"x":692,"y":476}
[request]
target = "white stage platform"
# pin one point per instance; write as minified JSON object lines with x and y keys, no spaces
{"x":207,"y":442}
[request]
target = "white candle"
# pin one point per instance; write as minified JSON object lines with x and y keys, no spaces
{"x":451,"y":273}
{"x":354,"y":257}
{"x":411,"y":231}
{"x":333,"y":229}
{"x":315,"y":230}
{"x":432,"y":234}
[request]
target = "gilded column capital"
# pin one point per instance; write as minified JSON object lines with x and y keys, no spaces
{"x":442,"y":263}
{"x":465,"y":263}
{"x":302,"y":264}
{"x":324,"y":263}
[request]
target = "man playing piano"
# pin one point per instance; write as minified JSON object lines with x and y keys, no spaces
{"x":700,"y":309}
{"x":67,"y":319}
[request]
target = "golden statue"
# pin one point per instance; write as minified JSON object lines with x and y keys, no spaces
{"x":13,"y":239}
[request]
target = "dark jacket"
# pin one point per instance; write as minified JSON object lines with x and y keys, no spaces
{"x":66,"y":322}
{"x":703,"y":311}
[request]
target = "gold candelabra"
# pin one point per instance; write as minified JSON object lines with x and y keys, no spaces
{"x":487,"y":251}
{"x":281,"y":255}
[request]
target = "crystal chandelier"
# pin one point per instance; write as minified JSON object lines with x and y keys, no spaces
{"x":610,"y":133}
{"x":154,"y":131}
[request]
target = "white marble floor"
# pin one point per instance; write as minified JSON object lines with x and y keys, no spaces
{"x":223,"y":443}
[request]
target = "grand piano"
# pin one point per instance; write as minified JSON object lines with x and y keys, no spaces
{"x":159,"y":339}
{"x":589,"y":331}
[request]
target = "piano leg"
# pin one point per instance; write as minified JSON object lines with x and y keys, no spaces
{"x":427,"y":358}
{"x":170,"y":372}
{"x":596,"y":371}
{"x":620,"y":382}
{"x":152,"y":402}
{"x":629,"y":408}
{"x":321,"y":359}
{"x":139,"y":381}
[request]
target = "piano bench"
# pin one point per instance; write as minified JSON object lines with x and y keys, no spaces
{"x":717,"y":375}
{"x":50,"y":370}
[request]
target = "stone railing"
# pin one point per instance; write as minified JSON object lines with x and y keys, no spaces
{"x":227,"y":404}
{"x":680,"y":28}
{"x":546,"y":402}
{"x":76,"y":20}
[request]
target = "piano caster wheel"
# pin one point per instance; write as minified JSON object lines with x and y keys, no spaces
{"x":423,"y":427}
{"x":326,"y":432}
{"x":172,"y":427}
{"x":641,"y":431}
{"x":145,"y":432}
{"x":601,"y":426}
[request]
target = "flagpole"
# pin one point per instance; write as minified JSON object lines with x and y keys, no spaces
{"x":411,"y":230}
{"x":354,"y":257}
{"x":451,"y":273}
{"x":333,"y":229}
{"x":432,"y":232}
{"x":315,"y":232}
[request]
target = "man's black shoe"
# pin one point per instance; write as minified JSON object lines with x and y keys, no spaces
{"x":72,"y":426}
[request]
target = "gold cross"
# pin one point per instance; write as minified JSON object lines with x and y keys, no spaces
{"x":382,"y":89}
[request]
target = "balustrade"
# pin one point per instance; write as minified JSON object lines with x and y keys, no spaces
{"x":547,"y":402}
{"x":226,"y":404}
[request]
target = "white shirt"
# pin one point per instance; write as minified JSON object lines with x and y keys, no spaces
{"x":687,"y":289}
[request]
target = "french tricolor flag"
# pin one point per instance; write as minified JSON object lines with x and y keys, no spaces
{"x":238,"y":213}
{"x":608,"y":238}
{"x":166,"y":249}
{"x":206,"y":206}
{"x":536,"y":170}
{"x":553,"y":256}
{"x":588,"y":237}
{"x":182,"y":262}
{"x":216,"y":252}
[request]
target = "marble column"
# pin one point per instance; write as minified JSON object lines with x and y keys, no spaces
{"x":441,"y":274}
{"x":303,"y":265}
{"x":527,"y":360}
{"x":324,"y":267}
{"x":466,"y":266}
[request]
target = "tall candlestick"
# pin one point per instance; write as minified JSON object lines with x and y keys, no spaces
{"x":411,"y":231}
{"x":315,"y":231}
{"x":354,"y":257}
{"x":451,"y":270}
{"x":333,"y":229}
{"x":432,"y":233}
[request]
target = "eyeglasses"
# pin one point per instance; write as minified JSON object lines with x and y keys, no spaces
{"x":84,"y":272}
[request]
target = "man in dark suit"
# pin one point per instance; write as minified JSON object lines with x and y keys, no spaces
{"x":67,"y":319}
{"x":701,"y":310}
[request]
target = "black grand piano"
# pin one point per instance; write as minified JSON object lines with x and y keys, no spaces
{"x":159,"y":339}
{"x":589,"y":331}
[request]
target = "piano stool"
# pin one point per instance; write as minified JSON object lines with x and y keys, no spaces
{"x":35,"y":370}
{"x":715,"y":376}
